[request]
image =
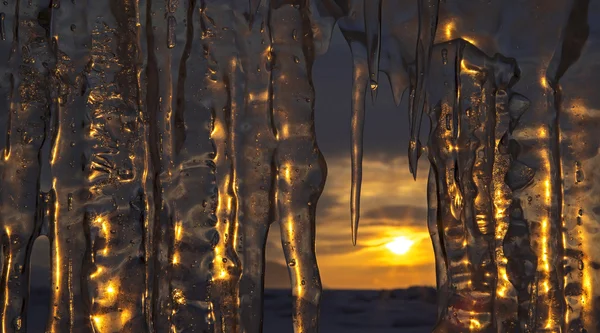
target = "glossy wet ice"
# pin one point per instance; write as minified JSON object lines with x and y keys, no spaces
{"x":155,"y":141}
{"x":511,"y":115}
{"x":512,"y":118}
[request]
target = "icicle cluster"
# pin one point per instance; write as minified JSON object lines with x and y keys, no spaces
{"x":511,"y":213}
{"x":154,"y":142}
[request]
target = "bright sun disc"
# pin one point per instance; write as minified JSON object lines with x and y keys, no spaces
{"x":400,"y":245}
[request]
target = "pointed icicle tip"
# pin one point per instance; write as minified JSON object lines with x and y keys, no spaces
{"x":354,"y":231}
{"x":399,"y":82}
{"x":414,"y":152}
{"x":358,"y":121}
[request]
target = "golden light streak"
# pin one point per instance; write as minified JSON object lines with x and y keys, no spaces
{"x":545,"y":263}
{"x":57,"y":261}
{"x":55,"y":146}
{"x":470,"y":40}
{"x":93,"y":131}
{"x":179,"y":297}
{"x":94,"y":174}
{"x":544,"y":82}
{"x":474,"y":323}
{"x":109,"y":293}
{"x":288,"y":172}
{"x":103,"y":222}
{"x":260,"y":97}
{"x":219,"y":262}
{"x":502,"y":291}
{"x":125,"y":316}
{"x":178,"y":231}
{"x":96,"y":273}
{"x":217,"y":132}
{"x":7,"y":278}
{"x":502,"y":288}
{"x":111,"y":322}
{"x":464,"y":68}
{"x":289,"y":221}
{"x":110,"y":290}
{"x":285,"y":130}
{"x":545,"y":229}
{"x":290,"y":226}
{"x":587,"y":290}
{"x":97,"y":321}
{"x":449,"y":29}
{"x":452,"y":148}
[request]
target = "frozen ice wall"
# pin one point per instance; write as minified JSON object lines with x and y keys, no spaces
{"x":154,"y":142}
{"x":508,"y":87}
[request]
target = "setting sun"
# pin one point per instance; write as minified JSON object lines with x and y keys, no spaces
{"x":400,"y":245}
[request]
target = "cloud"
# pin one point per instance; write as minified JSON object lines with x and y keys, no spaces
{"x":396,"y":215}
{"x":383,"y":277}
{"x":276,"y":276}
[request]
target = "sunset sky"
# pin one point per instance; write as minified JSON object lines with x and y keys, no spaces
{"x":393,"y":204}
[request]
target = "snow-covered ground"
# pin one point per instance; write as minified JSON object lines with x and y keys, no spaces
{"x":411,"y":310}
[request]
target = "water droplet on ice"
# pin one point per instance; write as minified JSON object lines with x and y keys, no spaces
{"x":374,"y":85}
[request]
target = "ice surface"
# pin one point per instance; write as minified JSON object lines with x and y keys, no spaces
{"x":154,"y":142}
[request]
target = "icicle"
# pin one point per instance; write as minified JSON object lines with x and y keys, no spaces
{"x":254,"y":169}
{"x":575,"y":178}
{"x":112,"y":203}
{"x":470,"y":181}
{"x":70,"y":310}
{"x":435,"y":231}
{"x":299,"y":164}
{"x":359,"y":84}
{"x":352,"y":27}
{"x":445,"y":156}
{"x":186,"y":105}
{"x":372,"y":17}
{"x":428,"y":17}
{"x":18,"y":162}
{"x":224,"y":96}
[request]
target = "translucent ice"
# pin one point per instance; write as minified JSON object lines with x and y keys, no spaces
{"x":154,"y":142}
